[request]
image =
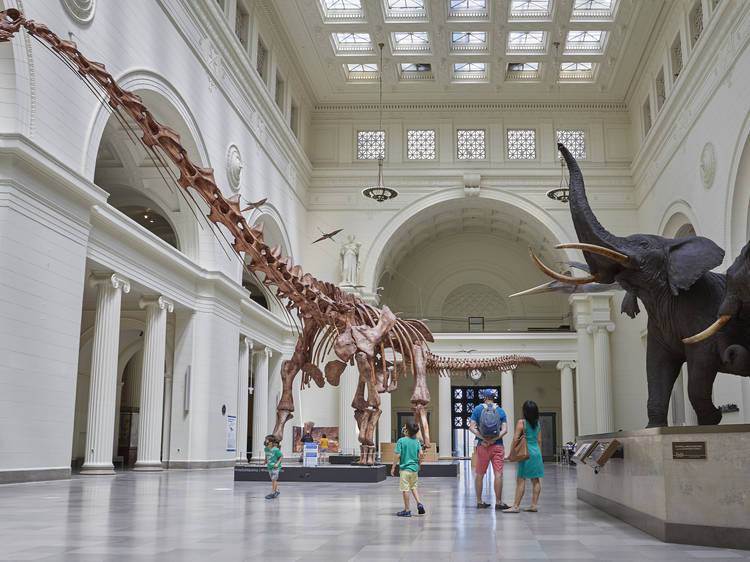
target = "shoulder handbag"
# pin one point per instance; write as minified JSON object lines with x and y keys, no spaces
{"x":519,"y":449}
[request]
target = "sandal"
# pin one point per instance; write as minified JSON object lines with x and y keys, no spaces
{"x":482,"y":505}
{"x":404,"y":513}
{"x":531,"y":509}
{"x":512,"y":510}
{"x":420,"y":509}
{"x":502,"y":506}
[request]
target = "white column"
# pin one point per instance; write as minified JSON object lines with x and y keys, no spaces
{"x":260,"y":400}
{"x":384,"y":423}
{"x":603,"y":376}
{"x":348,"y":443}
{"x":567,"y":400}
{"x":507,"y":401}
{"x":243,"y":379}
{"x":103,"y":384}
{"x":445,"y":441}
{"x":152,"y":383}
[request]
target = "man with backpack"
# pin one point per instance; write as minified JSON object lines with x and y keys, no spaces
{"x":489,"y":423}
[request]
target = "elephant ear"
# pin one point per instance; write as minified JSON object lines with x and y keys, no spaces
{"x":689,"y":258}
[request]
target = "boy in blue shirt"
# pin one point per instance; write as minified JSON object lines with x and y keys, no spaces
{"x":408,"y":454}
{"x":273,"y":464}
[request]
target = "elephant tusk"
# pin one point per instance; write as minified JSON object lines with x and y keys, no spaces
{"x":594,"y":249}
{"x":543,"y":288}
{"x":559,"y":276}
{"x":710,"y":331}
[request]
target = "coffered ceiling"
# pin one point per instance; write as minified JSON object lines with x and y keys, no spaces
{"x":468,"y":50}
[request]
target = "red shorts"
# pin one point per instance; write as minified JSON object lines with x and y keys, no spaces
{"x":494,"y":453}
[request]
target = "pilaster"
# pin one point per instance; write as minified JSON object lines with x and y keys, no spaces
{"x":243,"y":378}
{"x":507,"y":403}
{"x":260,"y":401}
{"x":567,"y":400}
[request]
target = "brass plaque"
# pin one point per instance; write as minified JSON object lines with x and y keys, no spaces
{"x":688,"y":449}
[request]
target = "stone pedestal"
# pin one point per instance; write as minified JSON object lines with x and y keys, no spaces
{"x":100,"y":426}
{"x":682,"y":500}
{"x":152,"y":383}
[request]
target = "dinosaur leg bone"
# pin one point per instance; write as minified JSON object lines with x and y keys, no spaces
{"x":367,"y":411}
{"x":421,"y":396}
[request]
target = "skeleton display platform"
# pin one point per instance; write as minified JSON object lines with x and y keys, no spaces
{"x":342,"y":459}
{"x":445,"y":469}
{"x":680,"y":484}
{"x":323,"y":473}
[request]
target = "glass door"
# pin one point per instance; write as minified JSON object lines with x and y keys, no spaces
{"x":463,"y":401}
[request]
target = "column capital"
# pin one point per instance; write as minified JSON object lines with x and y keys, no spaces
{"x":509,"y":371}
{"x":268,"y":351}
{"x":115,"y":279}
{"x":157,"y":301}
{"x":566,"y":364}
{"x":247,"y":342}
{"x":596,"y":326}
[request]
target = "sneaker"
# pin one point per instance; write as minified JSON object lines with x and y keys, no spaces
{"x":482,"y":505}
{"x":404,"y":513}
{"x":275,"y":494}
{"x":511,"y":510}
{"x":270,"y":496}
{"x":502,"y":506}
{"x":420,"y":509}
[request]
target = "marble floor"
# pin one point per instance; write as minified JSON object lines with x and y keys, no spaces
{"x":204,"y":515}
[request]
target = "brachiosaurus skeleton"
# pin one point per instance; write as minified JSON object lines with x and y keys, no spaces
{"x":330,"y":318}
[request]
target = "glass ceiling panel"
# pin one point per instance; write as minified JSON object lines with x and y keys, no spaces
{"x":471,"y":37}
{"x":468,"y":4}
{"x":584,"y":36}
{"x":526,"y":37}
{"x":576,"y":66}
{"x":530,"y":5}
{"x":349,"y":38}
{"x":415,"y":67}
{"x":521,"y":66}
{"x":367,"y":67}
{"x":343,"y":4}
{"x":469,"y":67}
{"x":405,"y":4}
{"x":592,"y":5}
{"x":411,"y":37}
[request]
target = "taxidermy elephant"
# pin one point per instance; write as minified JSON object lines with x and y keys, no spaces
{"x":672,"y":279}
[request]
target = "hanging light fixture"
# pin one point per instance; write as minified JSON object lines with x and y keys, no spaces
{"x":560,"y":193}
{"x":380,"y":192}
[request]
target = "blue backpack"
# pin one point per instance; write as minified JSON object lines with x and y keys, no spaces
{"x":490,"y":422}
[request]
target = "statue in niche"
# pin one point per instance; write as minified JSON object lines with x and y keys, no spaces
{"x":349,"y":262}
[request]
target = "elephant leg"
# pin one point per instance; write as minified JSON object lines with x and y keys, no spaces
{"x":701,"y":376}
{"x":420,"y":398}
{"x":662,"y":369}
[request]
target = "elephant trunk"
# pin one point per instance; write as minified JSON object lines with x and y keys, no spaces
{"x":588,"y":228}
{"x":737,"y":360}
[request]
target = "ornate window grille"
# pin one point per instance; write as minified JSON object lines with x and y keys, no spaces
{"x":661,"y":93}
{"x":370,"y":145}
{"x":676,"y":53}
{"x":575,"y":141}
{"x":646,"y":117}
{"x":420,"y":145}
{"x":696,"y":22}
{"x":470,"y":144}
{"x":242,"y":24}
{"x":261,"y":58}
{"x":279,"y":94}
{"x":521,"y":144}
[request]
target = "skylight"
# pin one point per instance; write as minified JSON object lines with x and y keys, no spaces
{"x":468,"y":4}
{"x":470,"y":37}
{"x":524,"y":41}
{"x":530,"y":8}
{"x":343,"y":4}
{"x":404,"y":10}
{"x":576,"y":67}
{"x":350,"y":38}
{"x":469,"y":67}
{"x":362,"y":67}
{"x":584,"y":36}
{"x":520,"y":71}
{"x":415,"y":67}
{"x":405,"y":4}
{"x":593,"y":9}
{"x":521,"y":66}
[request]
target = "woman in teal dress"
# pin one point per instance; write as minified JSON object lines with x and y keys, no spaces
{"x":532,"y":468}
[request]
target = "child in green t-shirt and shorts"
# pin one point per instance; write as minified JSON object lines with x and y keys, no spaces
{"x":273,"y":464}
{"x":408,"y":454}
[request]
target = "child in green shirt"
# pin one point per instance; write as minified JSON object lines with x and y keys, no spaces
{"x":273,"y":464}
{"x":408,"y":454}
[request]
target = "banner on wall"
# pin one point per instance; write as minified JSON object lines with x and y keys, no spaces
{"x":231,"y":433}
